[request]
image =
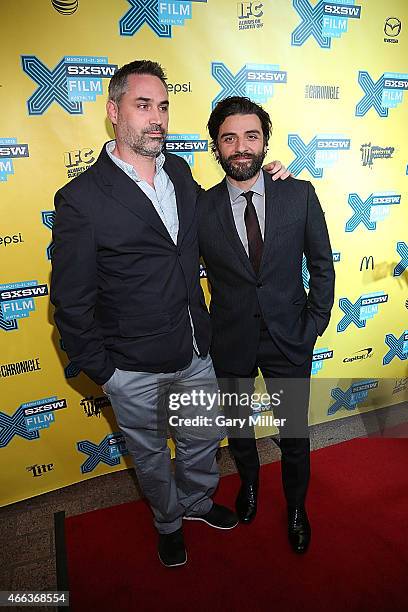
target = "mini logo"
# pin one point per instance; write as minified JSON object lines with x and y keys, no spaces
{"x":371,"y":152}
{"x":8,"y":239}
{"x":186,"y":145}
{"x":17,"y":300}
{"x":392,"y":28}
{"x":398,"y":347}
{"x":78,"y":161}
{"x":74,"y":80}
{"x":305,"y":271}
{"x":375,"y":208}
{"x":29,"y":419}
{"x":319,"y":356}
{"x":366,"y":261}
{"x":383,"y":94}
{"x":109,"y":451}
{"x":322,"y":92}
{"x":40,"y":470}
{"x":324,"y":21}
{"x":365,"y":308}
{"x":65,"y":7}
{"x":354,"y":395}
{"x":402,"y":250}
{"x":9,"y":150}
{"x":249,"y":15}
{"x":159,"y":15}
{"x":321,"y":152}
{"x":401,"y":384}
{"x":93,"y":406}
{"x":255,"y":81}
{"x":360,"y":355}
{"x":19,"y":367}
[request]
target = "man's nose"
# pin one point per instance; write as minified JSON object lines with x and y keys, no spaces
{"x":155,"y":116}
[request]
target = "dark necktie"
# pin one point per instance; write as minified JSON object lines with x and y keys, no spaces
{"x":255,"y":242}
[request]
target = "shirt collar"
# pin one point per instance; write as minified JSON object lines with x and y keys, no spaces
{"x":128,"y":168}
{"x":258,"y":187}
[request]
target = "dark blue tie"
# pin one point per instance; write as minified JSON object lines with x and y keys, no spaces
{"x":255,"y":242}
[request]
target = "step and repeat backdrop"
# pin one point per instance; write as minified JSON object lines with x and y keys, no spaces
{"x":332,"y":74}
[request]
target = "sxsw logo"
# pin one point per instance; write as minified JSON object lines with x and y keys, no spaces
{"x":398,"y":347}
{"x":383,"y":94}
{"x":354,"y":395}
{"x":255,"y":81}
{"x":321,"y":152}
{"x":368,"y":212}
{"x":9,"y":150}
{"x":365,"y":308}
{"x":319,"y":357}
{"x":17,"y":300}
{"x":186,"y":145}
{"x":29,"y":419}
{"x":48,"y":217}
{"x":324,"y":21}
{"x":74,"y":80}
{"x":109,"y":451}
{"x":305,"y":271}
{"x":78,"y":161}
{"x":402,"y":250}
{"x":203,"y":271}
{"x":159,"y":15}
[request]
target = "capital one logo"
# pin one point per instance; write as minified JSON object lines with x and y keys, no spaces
{"x":17,"y":301}
{"x":320,"y":153}
{"x":29,"y":419}
{"x":305,"y":271}
{"x":255,"y":81}
{"x":398,"y":347}
{"x":186,"y":145}
{"x":402,"y":250}
{"x":354,"y":395}
{"x":383,"y":94}
{"x":9,"y":150}
{"x":109,"y":451}
{"x":365,"y":308}
{"x":323,"y":21}
{"x":318,"y":359}
{"x":368,"y":212}
{"x":74,"y":80}
{"x":159,"y":15}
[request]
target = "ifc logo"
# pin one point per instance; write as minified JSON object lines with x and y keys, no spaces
{"x":65,"y":7}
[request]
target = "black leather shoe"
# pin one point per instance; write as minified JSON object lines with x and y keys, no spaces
{"x":246,"y":502}
{"x":219,"y":517}
{"x":299,"y":530}
{"x":172,"y":552}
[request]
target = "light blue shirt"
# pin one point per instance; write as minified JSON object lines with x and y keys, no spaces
{"x":162,"y":196}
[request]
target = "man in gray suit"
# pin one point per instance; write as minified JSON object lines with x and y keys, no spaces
{"x":253,"y":233}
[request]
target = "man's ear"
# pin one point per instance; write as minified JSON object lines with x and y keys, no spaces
{"x":112,"y":111}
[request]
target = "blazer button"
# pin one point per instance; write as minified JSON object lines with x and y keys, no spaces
{"x":259,"y":285}
{"x":257,"y":316}
{"x":179,"y":253}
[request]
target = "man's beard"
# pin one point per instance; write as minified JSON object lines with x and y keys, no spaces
{"x":242,"y":171}
{"x":143,"y":144}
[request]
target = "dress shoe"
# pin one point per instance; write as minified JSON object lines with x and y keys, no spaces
{"x":172,"y":551}
{"x":246,"y":502}
{"x":299,"y":531}
{"x":219,"y":517}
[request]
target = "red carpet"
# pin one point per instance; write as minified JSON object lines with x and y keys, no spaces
{"x":358,"y":558}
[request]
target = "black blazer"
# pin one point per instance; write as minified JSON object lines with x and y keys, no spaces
{"x":120,"y":286}
{"x":294,"y":224}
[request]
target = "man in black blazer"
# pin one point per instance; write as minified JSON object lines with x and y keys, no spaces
{"x":128,"y":302}
{"x":252,"y":234}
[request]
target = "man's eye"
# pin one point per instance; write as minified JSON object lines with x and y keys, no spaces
{"x":142,"y":106}
{"x":164,"y":109}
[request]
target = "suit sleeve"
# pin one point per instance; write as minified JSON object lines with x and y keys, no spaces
{"x":74,"y":289}
{"x":319,"y":258}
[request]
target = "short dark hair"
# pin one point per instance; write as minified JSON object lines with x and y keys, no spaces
{"x":118,"y":83}
{"x":237,"y":105}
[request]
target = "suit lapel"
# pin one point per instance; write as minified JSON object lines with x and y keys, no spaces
{"x":274,"y":213}
{"x":127,"y":193}
{"x":223,"y":207}
{"x":185,"y":207}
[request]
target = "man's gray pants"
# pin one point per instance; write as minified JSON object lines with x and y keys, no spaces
{"x":140,"y":401}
